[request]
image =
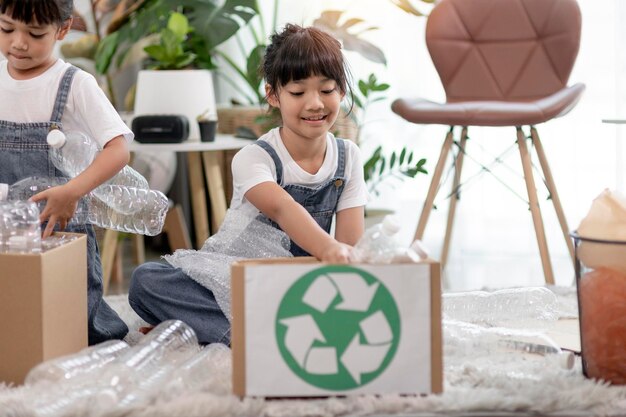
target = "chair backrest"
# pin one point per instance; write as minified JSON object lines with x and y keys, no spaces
{"x":508,"y":50}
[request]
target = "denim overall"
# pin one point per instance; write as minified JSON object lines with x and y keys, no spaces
{"x":321,"y":201}
{"x":160,"y":291}
{"x":24,"y":153}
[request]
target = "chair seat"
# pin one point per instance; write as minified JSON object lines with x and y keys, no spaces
{"x":489,"y":113}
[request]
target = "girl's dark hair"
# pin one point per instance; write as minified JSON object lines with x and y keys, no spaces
{"x":297,"y":53}
{"x":42,"y":12}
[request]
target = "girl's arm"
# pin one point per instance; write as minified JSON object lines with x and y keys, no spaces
{"x":350,"y":225}
{"x":278,"y":205}
{"x":61,"y":202}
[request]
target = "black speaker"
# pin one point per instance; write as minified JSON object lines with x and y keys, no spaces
{"x":160,"y":128}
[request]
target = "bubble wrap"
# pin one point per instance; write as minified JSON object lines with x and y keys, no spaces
{"x":241,"y":236}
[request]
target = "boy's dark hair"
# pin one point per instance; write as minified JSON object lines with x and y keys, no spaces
{"x":42,"y":12}
{"x":297,"y":53}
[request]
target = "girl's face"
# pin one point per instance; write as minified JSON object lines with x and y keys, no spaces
{"x":308,"y":107}
{"x":28,"y":46}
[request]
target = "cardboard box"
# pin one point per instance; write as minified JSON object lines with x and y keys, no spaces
{"x":43,"y":307}
{"x":306,"y":329}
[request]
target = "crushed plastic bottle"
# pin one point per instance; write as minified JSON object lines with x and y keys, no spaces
{"x":148,"y":207}
{"x":73,"y":152}
{"x":511,"y":305}
{"x":132,"y":379}
{"x":378,"y":244}
{"x":479,"y":341}
{"x":86,"y":361}
{"x":19,"y":227}
{"x":203,"y":372}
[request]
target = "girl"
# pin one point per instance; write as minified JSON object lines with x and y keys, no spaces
{"x":39,"y":93}
{"x":294,"y":178}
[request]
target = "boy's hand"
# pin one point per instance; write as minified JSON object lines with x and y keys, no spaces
{"x":61,"y":203}
{"x":338,"y":253}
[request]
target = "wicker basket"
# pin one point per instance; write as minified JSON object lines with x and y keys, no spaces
{"x":232,"y":118}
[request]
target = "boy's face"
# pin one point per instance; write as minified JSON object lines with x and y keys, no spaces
{"x":28,"y":47}
{"x":308,"y":107}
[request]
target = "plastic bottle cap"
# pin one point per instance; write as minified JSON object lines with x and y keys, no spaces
{"x":56,"y":138}
{"x":4,"y":191}
{"x":390,"y":225}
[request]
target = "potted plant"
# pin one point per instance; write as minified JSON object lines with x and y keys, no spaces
{"x":181,"y":38}
{"x":207,"y":122}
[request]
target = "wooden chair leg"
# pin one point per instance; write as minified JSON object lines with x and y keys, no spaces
{"x":560,"y":214}
{"x":176,"y":229}
{"x":107,"y":256}
{"x":139,"y":249}
{"x":454,"y":197}
{"x":434,"y":185}
{"x":117,"y":270}
{"x":534,"y":207}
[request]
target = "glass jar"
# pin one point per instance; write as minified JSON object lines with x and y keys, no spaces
{"x":601,"y":289}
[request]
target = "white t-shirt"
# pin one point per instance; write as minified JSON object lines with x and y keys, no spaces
{"x":87,"y":110}
{"x":252,"y":165}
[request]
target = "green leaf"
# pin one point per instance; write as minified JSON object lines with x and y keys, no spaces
{"x":106,"y":50}
{"x":363,"y":88}
{"x":392,"y":161}
{"x":383,"y":165}
{"x":380,"y":87}
{"x":402,"y":155}
{"x":179,"y":25}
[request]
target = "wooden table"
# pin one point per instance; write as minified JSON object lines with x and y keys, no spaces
{"x":210,"y":156}
{"x":207,"y":157}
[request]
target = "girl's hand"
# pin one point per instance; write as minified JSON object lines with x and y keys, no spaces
{"x":61,"y":203}
{"x":338,"y":253}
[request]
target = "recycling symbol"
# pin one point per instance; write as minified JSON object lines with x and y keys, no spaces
{"x":337,"y":327}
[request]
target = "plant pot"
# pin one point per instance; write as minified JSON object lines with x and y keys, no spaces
{"x":207,"y":130}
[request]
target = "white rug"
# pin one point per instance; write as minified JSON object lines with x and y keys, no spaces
{"x":474,"y":384}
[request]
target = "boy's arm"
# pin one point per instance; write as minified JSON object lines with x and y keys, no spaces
{"x":350,"y":225}
{"x":61,"y":202}
{"x":279,"y":206}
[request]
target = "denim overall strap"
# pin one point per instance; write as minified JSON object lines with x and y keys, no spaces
{"x":277,"y":162}
{"x":23,"y":146}
{"x":62,"y":94}
{"x":320,"y":201}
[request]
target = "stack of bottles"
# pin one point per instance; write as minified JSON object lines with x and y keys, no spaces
{"x":124,"y":203}
{"x":113,"y":375}
{"x":19,"y":227}
{"x":507,"y":306}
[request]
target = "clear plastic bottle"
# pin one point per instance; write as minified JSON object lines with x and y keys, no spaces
{"x":149,"y":207}
{"x":134,"y":378}
{"x":86,"y":361}
{"x":204,"y":371}
{"x":19,"y":227}
{"x":378,"y":244}
{"x":73,"y":152}
{"x":484,"y":342}
{"x":511,"y":305}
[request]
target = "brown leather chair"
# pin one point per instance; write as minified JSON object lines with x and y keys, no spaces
{"x":501,"y":63}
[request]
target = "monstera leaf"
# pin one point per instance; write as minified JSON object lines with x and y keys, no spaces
{"x":349,"y":35}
